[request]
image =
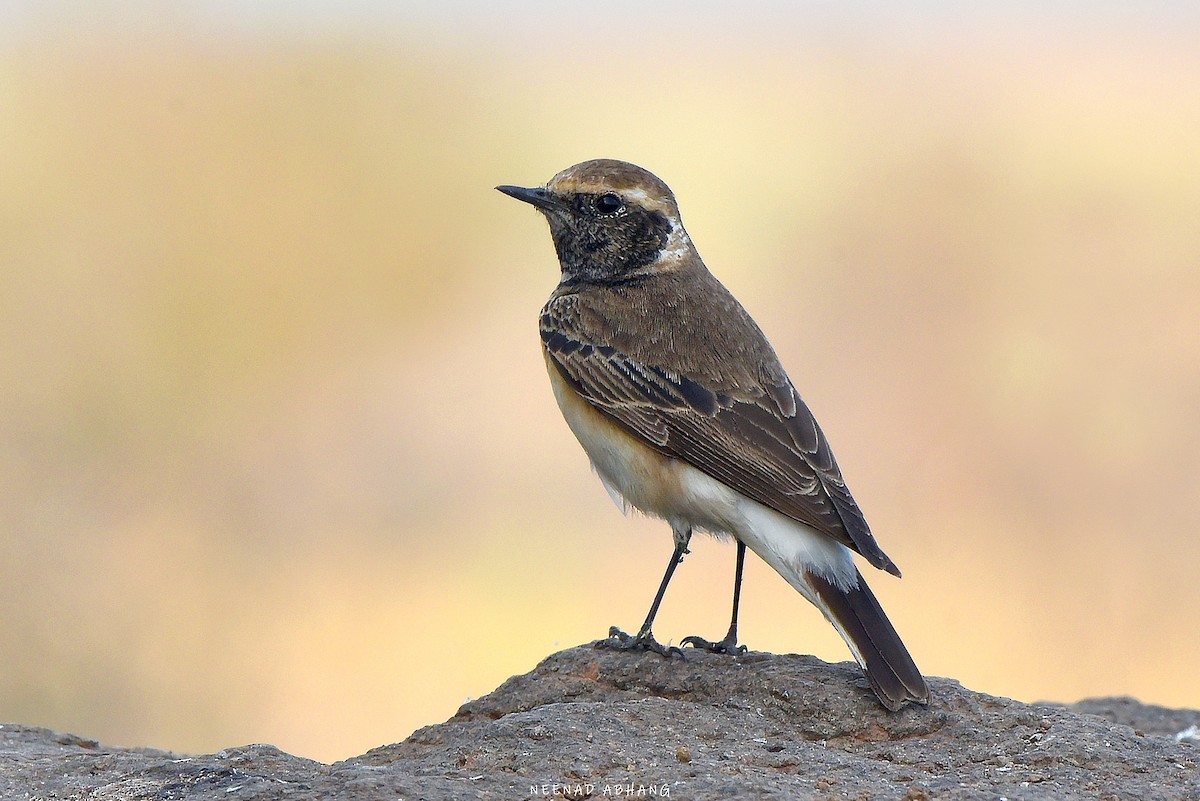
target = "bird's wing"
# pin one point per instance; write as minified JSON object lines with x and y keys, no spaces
{"x":765,"y":445}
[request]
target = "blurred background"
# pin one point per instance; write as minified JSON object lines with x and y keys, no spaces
{"x":278,"y":457}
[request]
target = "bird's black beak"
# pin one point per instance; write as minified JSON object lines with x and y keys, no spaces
{"x":537,"y":196}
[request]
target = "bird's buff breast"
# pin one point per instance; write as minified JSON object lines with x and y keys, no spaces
{"x":641,"y":476}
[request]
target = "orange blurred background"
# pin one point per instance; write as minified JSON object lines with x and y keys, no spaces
{"x":278,"y":457}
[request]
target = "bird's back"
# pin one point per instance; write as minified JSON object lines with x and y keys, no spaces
{"x":683,"y":321}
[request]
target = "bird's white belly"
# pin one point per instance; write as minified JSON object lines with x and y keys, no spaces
{"x":635,"y":474}
{"x":638,"y":476}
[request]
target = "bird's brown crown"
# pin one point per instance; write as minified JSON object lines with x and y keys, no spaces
{"x":633,"y":183}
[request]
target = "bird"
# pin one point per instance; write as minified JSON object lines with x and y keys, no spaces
{"x":687,"y":414}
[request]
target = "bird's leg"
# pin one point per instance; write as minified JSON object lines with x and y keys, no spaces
{"x":729,"y":644}
{"x":644,"y":640}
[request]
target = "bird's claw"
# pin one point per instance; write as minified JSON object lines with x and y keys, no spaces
{"x":725,"y":646}
{"x":644,"y":641}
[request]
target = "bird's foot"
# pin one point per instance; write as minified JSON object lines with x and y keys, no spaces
{"x":644,"y":641}
{"x":726,"y":646}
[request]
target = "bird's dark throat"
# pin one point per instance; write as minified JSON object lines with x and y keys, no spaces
{"x":607,"y":250}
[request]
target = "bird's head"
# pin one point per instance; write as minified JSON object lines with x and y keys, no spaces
{"x":612,"y":221}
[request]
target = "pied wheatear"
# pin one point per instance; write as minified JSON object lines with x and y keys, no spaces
{"x":687,"y":414}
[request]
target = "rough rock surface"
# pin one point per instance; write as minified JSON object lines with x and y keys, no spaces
{"x":596,"y":723}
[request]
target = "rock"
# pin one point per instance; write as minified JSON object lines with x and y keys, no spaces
{"x":589,"y":723}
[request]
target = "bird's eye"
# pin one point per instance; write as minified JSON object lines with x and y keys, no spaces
{"x":609,"y":203}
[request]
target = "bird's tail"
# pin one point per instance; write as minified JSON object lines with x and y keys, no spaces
{"x":859,"y":618}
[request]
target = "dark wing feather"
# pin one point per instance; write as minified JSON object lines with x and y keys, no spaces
{"x":766,"y":446}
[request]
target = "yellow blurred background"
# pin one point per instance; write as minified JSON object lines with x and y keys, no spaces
{"x":278,"y":458}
